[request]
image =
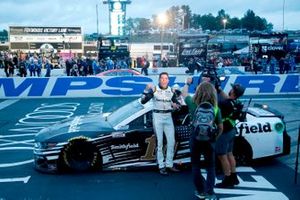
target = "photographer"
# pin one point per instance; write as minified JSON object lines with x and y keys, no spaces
{"x":224,"y":144}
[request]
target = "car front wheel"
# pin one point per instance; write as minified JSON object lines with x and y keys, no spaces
{"x":242,"y":152}
{"x":80,"y":155}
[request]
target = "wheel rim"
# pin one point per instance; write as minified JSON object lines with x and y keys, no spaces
{"x":80,"y":156}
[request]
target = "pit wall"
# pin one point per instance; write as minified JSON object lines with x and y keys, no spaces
{"x":130,"y":86}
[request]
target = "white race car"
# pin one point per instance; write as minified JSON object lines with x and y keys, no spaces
{"x":125,"y":138}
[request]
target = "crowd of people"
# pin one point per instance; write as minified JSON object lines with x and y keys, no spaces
{"x":32,"y":64}
{"x":24,"y":65}
{"x":209,"y":105}
{"x":271,"y":65}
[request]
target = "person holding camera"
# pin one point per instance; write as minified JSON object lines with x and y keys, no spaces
{"x":224,"y":145}
{"x":164,"y":100}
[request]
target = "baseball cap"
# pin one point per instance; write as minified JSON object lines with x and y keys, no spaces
{"x":238,"y":89}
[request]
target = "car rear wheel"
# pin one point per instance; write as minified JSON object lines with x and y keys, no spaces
{"x":242,"y":152}
{"x":80,"y":155}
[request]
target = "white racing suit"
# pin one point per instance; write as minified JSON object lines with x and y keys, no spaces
{"x":163,"y":122}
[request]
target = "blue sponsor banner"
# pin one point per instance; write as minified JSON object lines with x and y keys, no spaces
{"x":55,"y":87}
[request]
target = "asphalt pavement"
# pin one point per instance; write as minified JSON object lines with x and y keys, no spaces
{"x":20,"y":120}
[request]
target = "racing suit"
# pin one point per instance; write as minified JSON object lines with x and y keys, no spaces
{"x":162,"y":122}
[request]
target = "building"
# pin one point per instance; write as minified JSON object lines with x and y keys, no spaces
{"x":62,"y":40}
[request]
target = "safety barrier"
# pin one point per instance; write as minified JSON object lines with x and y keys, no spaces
{"x":129,"y":86}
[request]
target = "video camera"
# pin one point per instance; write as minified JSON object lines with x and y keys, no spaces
{"x":209,"y":71}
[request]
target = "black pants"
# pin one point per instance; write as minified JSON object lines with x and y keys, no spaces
{"x":207,"y":149}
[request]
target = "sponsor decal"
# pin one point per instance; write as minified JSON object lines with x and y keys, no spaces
{"x":277,"y":149}
{"x":75,"y":125}
{"x":125,"y":146}
{"x":279,"y":127}
{"x":255,"y":128}
{"x":118,"y":134}
{"x":192,"y":52}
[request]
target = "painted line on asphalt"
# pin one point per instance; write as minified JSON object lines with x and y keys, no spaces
{"x":4,"y":165}
{"x":20,"y":179}
{"x":7,"y":103}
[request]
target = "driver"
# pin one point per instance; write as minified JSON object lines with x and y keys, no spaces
{"x":164,"y":100}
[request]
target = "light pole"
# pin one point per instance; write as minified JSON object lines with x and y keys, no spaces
{"x":162,"y":20}
{"x":283,"y":7}
{"x":224,"y":28}
{"x":224,"y":24}
{"x":63,"y":36}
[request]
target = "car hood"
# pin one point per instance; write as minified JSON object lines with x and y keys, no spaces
{"x":84,"y":125}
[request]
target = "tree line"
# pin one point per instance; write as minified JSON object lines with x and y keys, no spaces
{"x":181,"y":17}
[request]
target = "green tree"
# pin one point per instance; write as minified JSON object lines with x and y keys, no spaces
{"x":195,"y":21}
{"x":234,"y":23}
{"x":219,"y":19}
{"x":252,"y":22}
{"x":129,"y":26}
{"x":3,"y":35}
{"x":173,"y":17}
{"x":249,"y":20}
{"x":143,"y":24}
{"x":187,"y":16}
{"x":208,"y":22}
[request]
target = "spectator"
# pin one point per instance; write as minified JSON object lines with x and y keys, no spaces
{"x":273,"y":63}
{"x":164,"y":62}
{"x":281,"y":65}
{"x":286,"y":65}
{"x":145,"y":67}
{"x":22,"y":68}
{"x":96,"y":68}
{"x":38,"y":67}
{"x":205,"y":93}
{"x":109,"y":64}
{"x":7,"y":64}
{"x":69,"y":65}
{"x":48,"y":67}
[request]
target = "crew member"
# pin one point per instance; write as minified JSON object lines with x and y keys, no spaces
{"x":224,"y":144}
{"x":164,"y":100}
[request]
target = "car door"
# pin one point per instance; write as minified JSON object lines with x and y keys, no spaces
{"x":135,"y":143}
{"x":181,"y":119}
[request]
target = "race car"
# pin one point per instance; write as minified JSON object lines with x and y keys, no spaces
{"x":125,"y":138}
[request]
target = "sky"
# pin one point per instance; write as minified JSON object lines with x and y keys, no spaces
{"x":83,"y":12}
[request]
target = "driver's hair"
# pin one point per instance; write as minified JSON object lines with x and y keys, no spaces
{"x":163,"y":73}
{"x":206,"y":92}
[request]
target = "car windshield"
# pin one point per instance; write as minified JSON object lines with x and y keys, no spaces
{"x":124,"y":112}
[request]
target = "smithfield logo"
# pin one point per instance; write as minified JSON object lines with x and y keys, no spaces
{"x":255,"y":128}
{"x":125,"y":146}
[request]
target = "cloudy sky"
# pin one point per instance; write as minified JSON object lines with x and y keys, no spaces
{"x":83,"y":13}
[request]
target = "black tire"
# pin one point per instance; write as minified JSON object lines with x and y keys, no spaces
{"x":79,"y":155}
{"x":242,"y":152}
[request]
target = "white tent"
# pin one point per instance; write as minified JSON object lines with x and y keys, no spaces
{"x":244,"y":50}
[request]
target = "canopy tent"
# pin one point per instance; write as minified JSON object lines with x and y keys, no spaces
{"x":244,"y":50}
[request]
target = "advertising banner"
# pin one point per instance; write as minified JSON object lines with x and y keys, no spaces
{"x":129,"y":86}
